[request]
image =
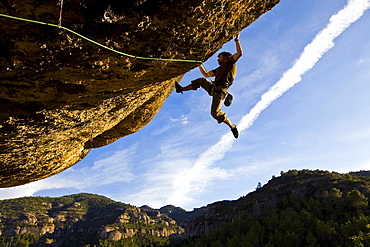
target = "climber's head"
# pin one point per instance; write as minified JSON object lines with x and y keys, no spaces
{"x":223,"y":56}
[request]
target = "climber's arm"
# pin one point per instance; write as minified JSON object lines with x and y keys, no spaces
{"x":239,"y":50}
{"x":205,"y":73}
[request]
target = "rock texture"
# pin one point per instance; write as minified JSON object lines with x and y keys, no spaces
{"x":62,"y":219}
{"x":60,"y":95}
{"x":181,"y":216}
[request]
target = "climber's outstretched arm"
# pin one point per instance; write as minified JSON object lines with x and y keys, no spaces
{"x":239,"y":50}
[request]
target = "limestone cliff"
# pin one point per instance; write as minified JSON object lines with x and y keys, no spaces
{"x":62,"y":220}
{"x":60,"y":95}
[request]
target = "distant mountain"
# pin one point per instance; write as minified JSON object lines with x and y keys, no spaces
{"x":181,"y":216}
{"x":361,"y":173}
{"x":299,"y":208}
{"x":80,"y":220}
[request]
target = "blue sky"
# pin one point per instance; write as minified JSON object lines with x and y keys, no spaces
{"x":301,"y":101}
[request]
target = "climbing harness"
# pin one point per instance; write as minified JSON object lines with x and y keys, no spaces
{"x":229,"y":98}
{"x":94,"y":42}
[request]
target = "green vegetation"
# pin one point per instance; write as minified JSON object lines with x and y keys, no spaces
{"x":136,"y":241}
{"x":305,"y":208}
{"x":361,"y":173}
{"x":77,"y":220}
{"x":295,"y":222}
{"x":32,"y":240}
{"x":24,"y":240}
{"x":299,"y":208}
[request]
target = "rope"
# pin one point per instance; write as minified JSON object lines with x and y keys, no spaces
{"x":96,"y":43}
{"x":209,"y":76}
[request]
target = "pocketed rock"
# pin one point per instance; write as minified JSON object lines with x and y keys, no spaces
{"x":61,"y":96}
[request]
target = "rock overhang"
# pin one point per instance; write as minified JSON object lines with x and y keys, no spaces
{"x":61,"y":95}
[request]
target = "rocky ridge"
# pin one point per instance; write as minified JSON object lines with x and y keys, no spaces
{"x":90,"y":214}
{"x":291,"y":185}
{"x":61,"y":95}
{"x":320,"y":207}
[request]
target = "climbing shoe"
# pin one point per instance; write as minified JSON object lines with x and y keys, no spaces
{"x":178,"y":88}
{"x":228,"y":100}
{"x":235,"y":132}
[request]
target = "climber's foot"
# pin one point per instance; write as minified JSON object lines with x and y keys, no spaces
{"x":235,"y":132}
{"x":178,"y":88}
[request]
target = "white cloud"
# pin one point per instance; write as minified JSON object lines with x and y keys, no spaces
{"x":196,"y":177}
{"x":309,"y":57}
{"x":175,"y":181}
{"x":22,"y":191}
{"x":363,"y":61}
{"x":113,"y":169}
{"x":183,"y":119}
{"x":174,"y":122}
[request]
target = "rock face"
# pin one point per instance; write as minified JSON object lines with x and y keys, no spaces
{"x":60,"y":95}
{"x":63,"y":219}
{"x":181,"y":216}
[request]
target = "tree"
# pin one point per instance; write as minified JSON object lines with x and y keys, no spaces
{"x":199,"y":243}
{"x":357,"y":200}
{"x":217,"y":244}
{"x":325,"y":233}
{"x":314,"y":207}
{"x":310,"y":239}
{"x":291,"y":239}
{"x":259,"y":186}
{"x":233,"y":242}
{"x":335,"y":193}
{"x":363,"y":239}
{"x":255,"y":234}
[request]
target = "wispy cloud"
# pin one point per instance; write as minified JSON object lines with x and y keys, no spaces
{"x":178,"y":178}
{"x":23,"y":190}
{"x":160,"y":185}
{"x":309,"y":57}
{"x":183,"y":119}
{"x":194,"y":177}
{"x":116,"y":168}
{"x":363,"y":61}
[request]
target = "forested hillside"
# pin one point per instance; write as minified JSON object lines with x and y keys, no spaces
{"x":299,"y":208}
{"x":81,"y":220}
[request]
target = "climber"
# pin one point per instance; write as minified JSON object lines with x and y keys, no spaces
{"x":224,"y":78}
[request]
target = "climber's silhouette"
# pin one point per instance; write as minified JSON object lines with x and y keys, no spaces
{"x":224,"y":78}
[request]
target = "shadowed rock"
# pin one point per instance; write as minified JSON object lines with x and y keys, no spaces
{"x":60,"y":95}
